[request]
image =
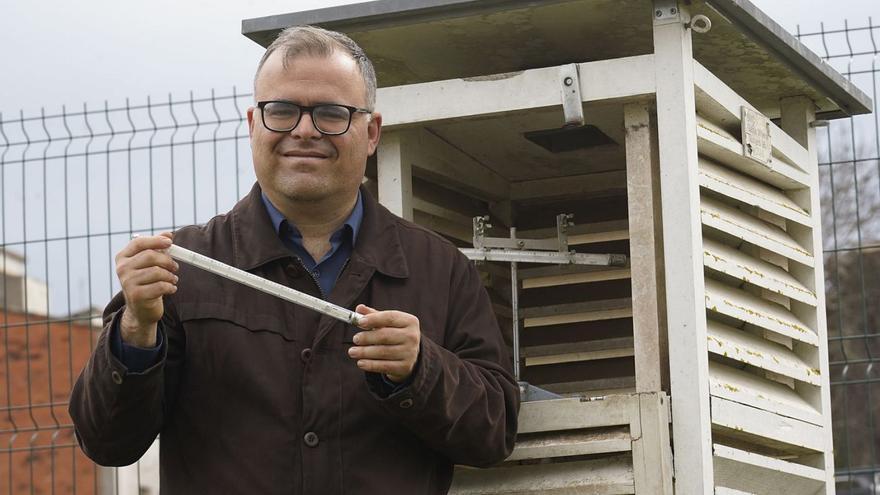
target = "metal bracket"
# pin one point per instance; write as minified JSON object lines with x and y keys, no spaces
{"x":481,"y":241}
{"x":572,"y":104}
{"x":553,"y":251}
{"x":544,"y":257}
{"x":480,"y":226}
{"x":666,"y":10}
{"x":530,"y":393}
{"x":756,"y":136}
{"x":563,"y":222}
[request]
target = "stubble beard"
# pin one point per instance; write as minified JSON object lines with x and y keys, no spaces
{"x":303,"y":189}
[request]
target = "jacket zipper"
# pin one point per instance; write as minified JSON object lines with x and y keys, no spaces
{"x":314,"y":279}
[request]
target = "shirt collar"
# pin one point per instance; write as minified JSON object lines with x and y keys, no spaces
{"x":353,"y":221}
{"x":255,"y":242}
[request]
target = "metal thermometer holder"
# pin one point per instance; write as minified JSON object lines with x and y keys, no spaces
{"x":514,"y":250}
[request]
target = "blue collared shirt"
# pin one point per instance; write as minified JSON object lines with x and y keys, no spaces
{"x":326,"y":270}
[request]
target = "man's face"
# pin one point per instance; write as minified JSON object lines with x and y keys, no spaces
{"x":303,"y":164}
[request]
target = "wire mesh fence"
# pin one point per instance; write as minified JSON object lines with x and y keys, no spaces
{"x":849,"y":156}
{"x":76,"y":184}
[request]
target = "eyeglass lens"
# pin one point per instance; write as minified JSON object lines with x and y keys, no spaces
{"x":329,"y":119}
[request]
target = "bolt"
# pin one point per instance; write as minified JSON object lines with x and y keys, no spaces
{"x":568,"y":81}
{"x":520,"y":243}
{"x":658,"y":13}
{"x":672,"y":10}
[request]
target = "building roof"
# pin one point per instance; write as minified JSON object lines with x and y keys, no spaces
{"x":414,"y":41}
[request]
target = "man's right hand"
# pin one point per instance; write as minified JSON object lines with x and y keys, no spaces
{"x":146,"y":274}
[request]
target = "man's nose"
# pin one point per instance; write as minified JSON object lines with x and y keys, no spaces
{"x":306,"y":128}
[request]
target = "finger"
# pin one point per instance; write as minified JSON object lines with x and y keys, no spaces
{"x":149,"y":258}
{"x":141,"y":243}
{"x":381,"y":352}
{"x":382,"y":336}
{"x":395,"y":368}
{"x":150,"y":275}
{"x":396,"y":319}
{"x":150,"y":291}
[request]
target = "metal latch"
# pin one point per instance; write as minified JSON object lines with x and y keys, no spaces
{"x":572,"y":104}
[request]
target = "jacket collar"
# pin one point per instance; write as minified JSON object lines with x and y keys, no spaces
{"x":255,"y":241}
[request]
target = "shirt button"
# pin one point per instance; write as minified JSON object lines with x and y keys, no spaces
{"x":117,"y":378}
{"x":310,"y":439}
{"x":406,"y":403}
{"x":306,"y":355}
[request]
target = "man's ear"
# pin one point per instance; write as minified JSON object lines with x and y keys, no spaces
{"x":374,"y":132}
{"x":250,"y":119}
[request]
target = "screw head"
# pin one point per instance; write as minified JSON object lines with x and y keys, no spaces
{"x":673,"y":10}
{"x":658,"y":13}
{"x":568,"y":81}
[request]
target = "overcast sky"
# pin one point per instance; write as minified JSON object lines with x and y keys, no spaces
{"x":57,"y":52}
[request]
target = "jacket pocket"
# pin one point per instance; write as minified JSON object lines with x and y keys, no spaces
{"x":239,"y":363}
{"x":199,"y":315}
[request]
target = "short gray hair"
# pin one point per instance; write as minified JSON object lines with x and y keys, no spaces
{"x":315,"y":41}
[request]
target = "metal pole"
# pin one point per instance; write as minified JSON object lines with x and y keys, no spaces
{"x":514,"y":311}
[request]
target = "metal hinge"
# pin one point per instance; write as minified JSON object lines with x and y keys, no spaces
{"x":666,"y":10}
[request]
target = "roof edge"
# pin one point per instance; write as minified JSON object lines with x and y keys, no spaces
{"x":752,"y":21}
{"x":374,"y":14}
{"x":763,"y":29}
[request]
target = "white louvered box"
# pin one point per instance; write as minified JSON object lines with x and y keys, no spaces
{"x":701,"y":365}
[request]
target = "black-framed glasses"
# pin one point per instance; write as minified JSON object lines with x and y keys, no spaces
{"x":328,"y":118}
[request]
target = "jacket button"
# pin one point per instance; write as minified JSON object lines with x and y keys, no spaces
{"x":117,"y":378}
{"x":306,"y":355}
{"x":406,"y":403}
{"x":310,"y":439}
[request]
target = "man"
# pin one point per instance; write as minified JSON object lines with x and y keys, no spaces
{"x":252,"y":394}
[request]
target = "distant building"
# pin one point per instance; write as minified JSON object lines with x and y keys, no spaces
{"x":18,"y":291}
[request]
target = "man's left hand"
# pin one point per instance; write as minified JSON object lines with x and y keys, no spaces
{"x":390,"y":344}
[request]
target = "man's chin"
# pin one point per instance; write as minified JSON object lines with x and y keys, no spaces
{"x":305,"y":191}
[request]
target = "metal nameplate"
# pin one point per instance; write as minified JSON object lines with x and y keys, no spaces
{"x":756,"y":136}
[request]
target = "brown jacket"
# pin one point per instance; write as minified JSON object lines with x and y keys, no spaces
{"x":257,"y":395}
